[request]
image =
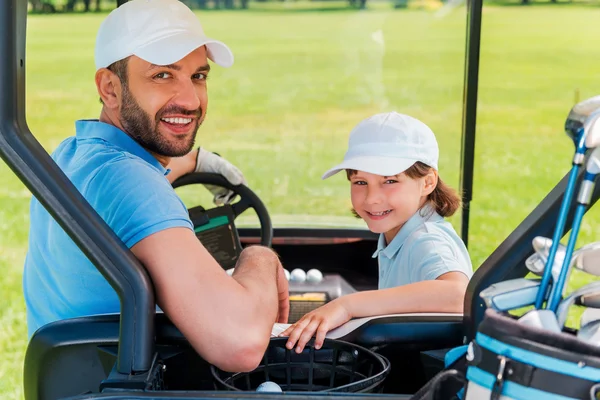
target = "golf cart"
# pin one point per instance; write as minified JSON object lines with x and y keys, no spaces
{"x":141,"y":354}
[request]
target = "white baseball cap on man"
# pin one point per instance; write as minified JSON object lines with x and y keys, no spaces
{"x":161,"y":32}
{"x":388,"y":144}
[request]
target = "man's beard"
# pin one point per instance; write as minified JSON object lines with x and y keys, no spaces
{"x":144,"y":129}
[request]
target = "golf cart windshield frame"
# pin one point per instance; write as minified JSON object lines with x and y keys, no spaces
{"x":34,"y":167}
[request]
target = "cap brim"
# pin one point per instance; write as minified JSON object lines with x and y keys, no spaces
{"x":219,"y":53}
{"x":384,"y":166}
{"x":173,"y":48}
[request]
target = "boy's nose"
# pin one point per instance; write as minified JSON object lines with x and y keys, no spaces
{"x":374,"y":195}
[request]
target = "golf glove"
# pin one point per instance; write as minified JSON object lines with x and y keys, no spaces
{"x":213,"y":163}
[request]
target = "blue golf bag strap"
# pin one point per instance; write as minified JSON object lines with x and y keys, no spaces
{"x":453,"y":356}
{"x":450,"y":382}
{"x":504,"y":369}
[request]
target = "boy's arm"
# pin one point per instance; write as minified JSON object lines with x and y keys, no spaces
{"x":445,"y":294}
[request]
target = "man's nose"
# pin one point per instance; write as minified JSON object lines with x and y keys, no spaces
{"x":187,"y":95}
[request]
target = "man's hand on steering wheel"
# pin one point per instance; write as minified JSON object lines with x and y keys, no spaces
{"x":213,"y":163}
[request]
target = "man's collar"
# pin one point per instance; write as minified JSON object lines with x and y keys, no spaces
{"x":424,"y":214}
{"x":88,"y":129}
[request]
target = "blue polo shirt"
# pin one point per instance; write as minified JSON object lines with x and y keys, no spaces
{"x":425,"y":248}
{"x":128,"y":187}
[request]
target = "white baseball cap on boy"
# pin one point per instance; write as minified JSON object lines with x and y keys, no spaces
{"x":160,"y":32}
{"x":387,"y":144}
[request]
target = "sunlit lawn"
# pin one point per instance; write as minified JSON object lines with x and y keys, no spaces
{"x":302,"y":80}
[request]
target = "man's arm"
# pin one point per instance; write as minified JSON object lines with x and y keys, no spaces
{"x":228,"y":320}
{"x":201,"y":160}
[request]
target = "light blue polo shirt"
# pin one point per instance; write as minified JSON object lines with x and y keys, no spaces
{"x":425,"y":248}
{"x":128,"y":187}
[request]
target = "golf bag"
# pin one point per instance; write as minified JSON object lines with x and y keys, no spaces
{"x":509,"y":360}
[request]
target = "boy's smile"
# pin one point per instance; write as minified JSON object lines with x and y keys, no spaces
{"x":378,"y":215}
{"x":386,"y":202}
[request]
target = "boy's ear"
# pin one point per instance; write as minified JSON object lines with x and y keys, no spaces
{"x":430,"y":182}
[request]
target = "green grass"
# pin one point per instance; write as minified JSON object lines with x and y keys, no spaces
{"x":303,"y":79}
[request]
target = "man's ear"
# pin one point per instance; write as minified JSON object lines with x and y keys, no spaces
{"x":108,"y":85}
{"x":430,"y":182}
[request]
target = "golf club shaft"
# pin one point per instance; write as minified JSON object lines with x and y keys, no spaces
{"x":560,"y":225}
{"x":556,"y":294}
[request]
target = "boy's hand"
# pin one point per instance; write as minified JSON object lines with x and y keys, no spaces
{"x":321,"y":320}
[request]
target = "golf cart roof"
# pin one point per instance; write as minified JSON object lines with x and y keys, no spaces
{"x":31,"y":163}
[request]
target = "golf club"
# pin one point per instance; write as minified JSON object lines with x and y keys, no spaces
{"x":521,"y":292}
{"x":511,"y":294}
{"x":589,"y":315}
{"x":588,"y":259}
{"x":583,"y":296}
{"x":575,"y":129}
{"x":583,"y":200}
{"x":537,"y":261}
{"x":590,"y":332}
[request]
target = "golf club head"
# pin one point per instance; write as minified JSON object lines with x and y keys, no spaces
{"x":541,"y":244}
{"x":589,"y":315}
{"x":588,"y":260}
{"x":563,"y":308}
{"x":592,"y":127}
{"x":578,"y":115}
{"x":593,"y":162}
{"x":589,"y":324}
{"x":591,"y":300}
{"x":511,"y":294}
{"x":590,"y":332}
{"x":537,"y":261}
{"x":542,"y":319}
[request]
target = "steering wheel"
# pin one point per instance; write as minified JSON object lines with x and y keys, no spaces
{"x":248,"y":199}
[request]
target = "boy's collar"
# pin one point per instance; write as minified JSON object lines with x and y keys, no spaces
{"x":390,"y":249}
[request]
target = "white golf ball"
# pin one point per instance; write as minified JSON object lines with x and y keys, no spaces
{"x":298,"y":275}
{"x":287,"y":274}
{"x":230,"y":271}
{"x":269,"y":386}
{"x":314,"y":276}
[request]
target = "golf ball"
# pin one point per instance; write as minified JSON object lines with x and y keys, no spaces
{"x":298,"y":275}
{"x":269,"y":386}
{"x":287,"y":274}
{"x":314,"y":276}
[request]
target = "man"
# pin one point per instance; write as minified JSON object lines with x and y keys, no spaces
{"x":152,"y":62}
